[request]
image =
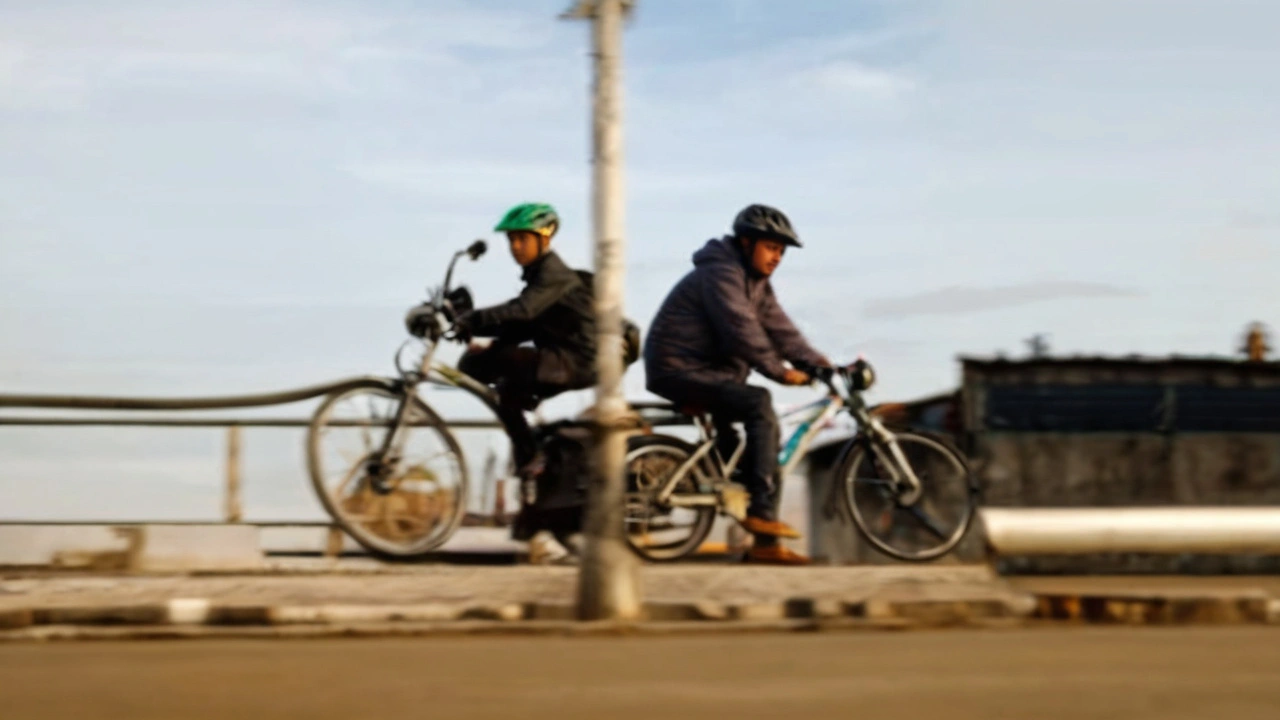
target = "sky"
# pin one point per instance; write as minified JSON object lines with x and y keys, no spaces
{"x":209,"y":198}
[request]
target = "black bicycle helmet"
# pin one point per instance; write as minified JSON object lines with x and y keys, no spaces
{"x":762,"y":221}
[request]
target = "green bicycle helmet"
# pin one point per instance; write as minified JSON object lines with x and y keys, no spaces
{"x":533,"y":217}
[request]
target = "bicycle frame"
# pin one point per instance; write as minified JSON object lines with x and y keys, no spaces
{"x":816,"y":415}
{"x":410,"y":378}
{"x":819,"y":413}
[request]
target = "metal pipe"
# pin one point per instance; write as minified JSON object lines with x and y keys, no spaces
{"x":1172,"y":530}
{"x":169,"y":523}
{"x":84,"y":402}
{"x":260,"y":422}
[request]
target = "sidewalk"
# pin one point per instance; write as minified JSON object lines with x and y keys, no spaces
{"x":296,"y":598}
{"x":367,"y":582}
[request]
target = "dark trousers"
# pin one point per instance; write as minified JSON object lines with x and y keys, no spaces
{"x":730,"y":403}
{"x":513,"y":370}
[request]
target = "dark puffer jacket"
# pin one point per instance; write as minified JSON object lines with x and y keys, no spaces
{"x":555,"y":310}
{"x":720,"y":322}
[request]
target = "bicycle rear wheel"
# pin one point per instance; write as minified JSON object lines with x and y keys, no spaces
{"x":920,"y":531}
{"x":655,"y":532}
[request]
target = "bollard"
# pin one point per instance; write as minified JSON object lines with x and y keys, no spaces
{"x":233,"y":511}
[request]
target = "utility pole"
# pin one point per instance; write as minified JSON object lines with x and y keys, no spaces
{"x":608,"y":579}
{"x":1038,"y":346}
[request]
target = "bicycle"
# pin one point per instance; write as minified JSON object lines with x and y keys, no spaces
{"x":402,"y":491}
{"x":884,"y":478}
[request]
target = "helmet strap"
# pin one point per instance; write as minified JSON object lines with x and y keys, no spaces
{"x":747,"y":246}
{"x":545,"y":245}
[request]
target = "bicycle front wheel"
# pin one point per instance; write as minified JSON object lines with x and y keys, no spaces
{"x":399,"y":505}
{"x":922,"y":530}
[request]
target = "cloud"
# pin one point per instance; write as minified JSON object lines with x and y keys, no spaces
{"x":1249,"y":242}
{"x":53,"y":60}
{"x":845,"y":76}
{"x":471,"y":181}
{"x":961,"y":300}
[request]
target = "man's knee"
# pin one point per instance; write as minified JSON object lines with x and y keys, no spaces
{"x":474,"y":363}
{"x":759,"y":405}
{"x":517,"y":397}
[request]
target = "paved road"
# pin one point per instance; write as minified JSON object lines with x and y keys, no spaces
{"x":1121,"y":674}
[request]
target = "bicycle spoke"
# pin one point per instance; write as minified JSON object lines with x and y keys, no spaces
{"x":928,"y":528}
{"x":414,"y":521}
{"x":350,"y":475}
{"x":926,"y":521}
{"x":442,"y":453}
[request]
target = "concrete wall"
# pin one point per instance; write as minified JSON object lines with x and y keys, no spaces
{"x":1114,"y":469}
{"x":151,"y":548}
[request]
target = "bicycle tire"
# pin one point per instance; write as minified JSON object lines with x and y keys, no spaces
{"x":853,"y":461}
{"x":377,"y":546}
{"x":679,"y":451}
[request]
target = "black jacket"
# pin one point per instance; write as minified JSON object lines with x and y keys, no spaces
{"x":720,"y":322}
{"x":556,"y":311}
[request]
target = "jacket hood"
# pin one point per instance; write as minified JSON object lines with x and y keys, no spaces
{"x":720,"y":251}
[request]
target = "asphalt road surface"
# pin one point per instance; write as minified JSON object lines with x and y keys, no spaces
{"x":1025,"y":674}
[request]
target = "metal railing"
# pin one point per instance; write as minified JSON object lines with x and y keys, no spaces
{"x":233,"y":502}
{"x":233,"y":507}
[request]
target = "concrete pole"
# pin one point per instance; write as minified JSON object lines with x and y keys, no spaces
{"x":608,"y":581}
{"x":233,"y":509}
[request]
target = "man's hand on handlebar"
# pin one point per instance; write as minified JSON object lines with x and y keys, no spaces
{"x":858,"y":373}
{"x":462,"y":327}
{"x":796,"y":377}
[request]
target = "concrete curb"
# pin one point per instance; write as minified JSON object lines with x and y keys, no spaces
{"x":201,"y":617}
{"x":188,"y":612}
{"x":561,"y":628}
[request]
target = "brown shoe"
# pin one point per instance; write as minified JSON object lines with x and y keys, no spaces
{"x":776,"y":555}
{"x":760,"y":526}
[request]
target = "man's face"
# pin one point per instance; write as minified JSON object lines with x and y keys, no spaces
{"x":527,"y":246}
{"x":767,"y":256}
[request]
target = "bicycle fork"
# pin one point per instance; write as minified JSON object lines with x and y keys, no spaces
{"x":380,"y":465}
{"x":895,"y":462}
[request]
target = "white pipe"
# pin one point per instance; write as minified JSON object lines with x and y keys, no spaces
{"x":1173,"y":530}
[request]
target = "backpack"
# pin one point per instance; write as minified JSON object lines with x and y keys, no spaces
{"x":631,"y":339}
{"x":556,"y":500}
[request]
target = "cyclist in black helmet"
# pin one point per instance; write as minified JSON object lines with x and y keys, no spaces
{"x":721,"y":321}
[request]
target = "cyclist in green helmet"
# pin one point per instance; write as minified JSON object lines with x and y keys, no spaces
{"x":554,"y":311}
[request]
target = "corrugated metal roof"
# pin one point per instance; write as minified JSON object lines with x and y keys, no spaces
{"x":1199,"y":361}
